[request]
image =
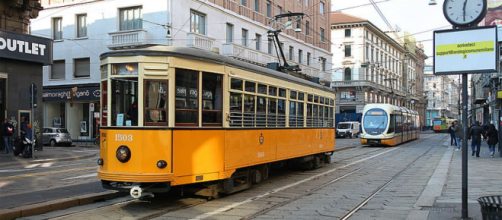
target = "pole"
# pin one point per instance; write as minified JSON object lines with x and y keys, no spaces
{"x":465,"y":214}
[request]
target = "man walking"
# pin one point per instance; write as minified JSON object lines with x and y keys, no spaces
{"x":7,"y":132}
{"x":459,"y":135}
{"x":475,"y":133}
{"x":453,"y":139}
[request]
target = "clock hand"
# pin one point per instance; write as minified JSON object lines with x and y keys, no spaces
{"x":463,"y":8}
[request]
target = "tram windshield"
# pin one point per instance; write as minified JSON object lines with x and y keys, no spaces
{"x":375,"y":121}
{"x":438,"y":122}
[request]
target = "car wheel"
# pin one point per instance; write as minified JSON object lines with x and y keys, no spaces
{"x":52,"y":143}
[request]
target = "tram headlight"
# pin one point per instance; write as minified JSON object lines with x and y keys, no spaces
{"x":161,"y":164}
{"x":100,"y":161}
{"x":123,"y":154}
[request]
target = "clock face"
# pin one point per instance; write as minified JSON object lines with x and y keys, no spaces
{"x":464,"y":12}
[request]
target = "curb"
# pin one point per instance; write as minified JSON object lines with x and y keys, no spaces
{"x":30,"y":161}
{"x":40,"y":208}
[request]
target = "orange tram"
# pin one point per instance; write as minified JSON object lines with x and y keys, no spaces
{"x":183,"y":117}
{"x":389,"y":125}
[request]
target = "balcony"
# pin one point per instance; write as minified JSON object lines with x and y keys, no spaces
{"x":131,"y":38}
{"x":247,"y":54}
{"x":199,"y":41}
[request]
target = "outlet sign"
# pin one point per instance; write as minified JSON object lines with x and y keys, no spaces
{"x":25,"y":47}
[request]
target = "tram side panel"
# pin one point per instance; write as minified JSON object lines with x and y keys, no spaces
{"x":247,"y":147}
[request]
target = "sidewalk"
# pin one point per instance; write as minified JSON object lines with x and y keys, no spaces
{"x":484,"y":179}
{"x":58,"y":153}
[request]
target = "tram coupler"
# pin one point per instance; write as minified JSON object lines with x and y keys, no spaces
{"x":138,"y":193}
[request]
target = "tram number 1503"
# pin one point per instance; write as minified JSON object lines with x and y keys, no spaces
{"x":124,"y":137}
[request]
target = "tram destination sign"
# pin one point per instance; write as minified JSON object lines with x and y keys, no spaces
{"x":25,"y":47}
{"x":472,"y":50}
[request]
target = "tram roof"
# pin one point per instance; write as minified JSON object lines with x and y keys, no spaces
{"x":205,"y":55}
{"x":388,"y":107}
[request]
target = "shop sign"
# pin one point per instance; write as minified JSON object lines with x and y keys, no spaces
{"x":25,"y":47}
{"x":65,"y":94}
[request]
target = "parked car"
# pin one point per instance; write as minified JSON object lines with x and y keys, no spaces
{"x":55,"y":136}
{"x":348,"y":129}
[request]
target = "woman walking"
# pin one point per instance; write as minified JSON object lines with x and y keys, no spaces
{"x":492,"y":135}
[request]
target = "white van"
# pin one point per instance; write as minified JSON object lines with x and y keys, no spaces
{"x":348,"y":129}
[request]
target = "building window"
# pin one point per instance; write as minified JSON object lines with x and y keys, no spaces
{"x":244,"y":2}
{"x":258,"y":42}
{"x":291,"y":52}
{"x":308,"y":58}
{"x":58,"y":69}
{"x":230,"y":33}
{"x":279,"y":10}
{"x":306,"y":2}
{"x":321,"y":8}
{"x":81,"y":25}
{"x":57,"y":28}
{"x":197,"y":22}
{"x":257,"y":5}
{"x":270,"y":45}
{"x":321,"y":33}
{"x":348,"y":51}
{"x":269,"y":9}
{"x":347,"y":32}
{"x":347,"y":74}
{"x":323,"y":63}
{"x":300,"y":56}
{"x":307,"y":28}
{"x":244,"y":37}
{"x":130,"y":19}
{"x":81,"y":68}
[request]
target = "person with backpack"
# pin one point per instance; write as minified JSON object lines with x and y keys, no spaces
{"x":492,"y":136}
{"x":7,"y":132}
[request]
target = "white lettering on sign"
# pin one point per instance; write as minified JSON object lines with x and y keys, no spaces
{"x":22,"y":46}
{"x":124,"y":137}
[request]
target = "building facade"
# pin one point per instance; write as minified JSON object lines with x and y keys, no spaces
{"x":443,"y":96}
{"x":22,"y":57}
{"x":372,"y":67}
{"x":82,"y":30}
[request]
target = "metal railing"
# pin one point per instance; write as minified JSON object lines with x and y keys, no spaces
{"x":127,"y":38}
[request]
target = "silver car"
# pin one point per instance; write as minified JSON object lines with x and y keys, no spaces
{"x":54,"y":136}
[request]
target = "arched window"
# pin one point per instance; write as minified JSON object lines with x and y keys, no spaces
{"x":347,"y":74}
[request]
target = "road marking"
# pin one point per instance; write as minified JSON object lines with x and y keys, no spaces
{"x":46,"y":173}
{"x":231,"y":206}
{"x":82,"y":176}
{"x":32,"y":166}
{"x":45,"y":165}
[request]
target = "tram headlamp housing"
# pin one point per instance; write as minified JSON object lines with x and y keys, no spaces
{"x":100,"y":161}
{"x":161,"y":164}
{"x":123,"y":154}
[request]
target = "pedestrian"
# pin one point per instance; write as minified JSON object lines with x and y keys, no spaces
{"x":7,"y":132}
{"x":492,"y":136}
{"x":475,"y":133}
{"x":453,"y":139}
{"x":459,"y":135}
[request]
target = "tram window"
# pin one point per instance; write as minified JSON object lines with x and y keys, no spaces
{"x":272,"y":91}
{"x":124,"y":105}
{"x":309,"y":115}
{"x":292,"y":94}
{"x":236,"y":84}
{"x":331,"y":102}
{"x":330,"y":123}
{"x":186,"y":113}
{"x":272,"y":113}
{"x":261,"y":111}
{"x":249,"y":111}
{"x":321,"y":100}
{"x":301,"y":96}
{"x":292,"y":114}
{"x":325,"y":117}
{"x":212,"y":99}
{"x":155,"y":102}
{"x":399,"y":123}
{"x":316,"y":99}
{"x":235,"y":109}
{"x":310,"y":98}
{"x":262,"y":89}
{"x":299,"y":114}
{"x":250,"y":86}
{"x":125,"y":69}
{"x":104,"y":105}
{"x":282,"y":92}
{"x":281,"y":113}
{"x":392,"y":124}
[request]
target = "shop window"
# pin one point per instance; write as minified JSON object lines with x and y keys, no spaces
{"x":58,"y":69}
{"x":124,"y":104}
{"x":186,"y":113}
{"x":155,"y":103}
{"x":81,"y":68}
{"x":212,"y":99}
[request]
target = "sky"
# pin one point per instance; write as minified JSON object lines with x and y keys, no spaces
{"x":416,"y":17}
